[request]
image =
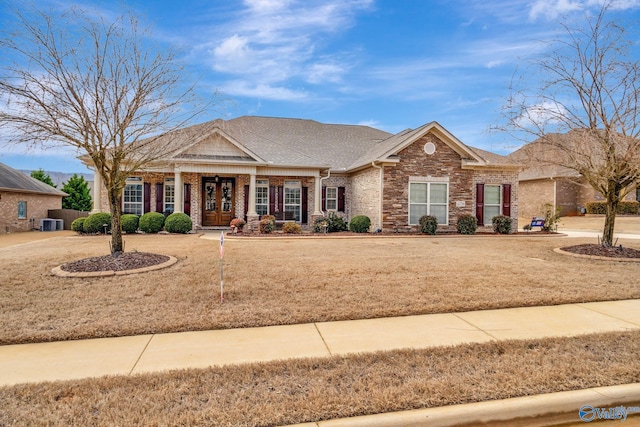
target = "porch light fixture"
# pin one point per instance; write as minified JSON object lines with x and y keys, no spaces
{"x":216,"y":179}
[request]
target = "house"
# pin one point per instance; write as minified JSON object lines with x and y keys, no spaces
{"x":299,"y":170}
{"x":544,"y":181}
{"x":24,"y":201}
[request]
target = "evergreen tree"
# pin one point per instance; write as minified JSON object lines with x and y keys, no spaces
{"x":79,"y":196}
{"x":40,"y":175}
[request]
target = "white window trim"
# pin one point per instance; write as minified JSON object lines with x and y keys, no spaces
{"x":428,"y":181}
{"x":262,"y":183}
{"x":488,"y":219}
{"x":133,"y":181}
{"x":293,"y":185}
{"x":168,"y":182}
{"x":327,"y":198}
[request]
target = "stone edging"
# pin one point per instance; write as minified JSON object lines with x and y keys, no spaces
{"x":60,"y":272}
{"x":601,"y":258}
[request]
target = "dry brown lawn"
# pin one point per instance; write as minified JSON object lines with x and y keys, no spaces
{"x":288,"y":392}
{"x":287,"y":281}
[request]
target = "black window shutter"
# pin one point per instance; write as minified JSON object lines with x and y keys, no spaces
{"x":506,"y":199}
{"x":480,"y":203}
{"x":324,"y":198}
{"x":187,"y":199}
{"x":147,"y":197}
{"x":341,"y":199}
{"x":246,"y":201}
{"x":272,"y":200}
{"x":305,"y":205}
{"x":159,"y":197}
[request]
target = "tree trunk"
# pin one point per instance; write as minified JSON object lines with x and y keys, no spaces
{"x":117,"y":246}
{"x":613,"y":198}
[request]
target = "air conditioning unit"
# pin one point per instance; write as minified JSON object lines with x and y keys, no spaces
{"x":59,"y":224}
{"x":47,"y":224}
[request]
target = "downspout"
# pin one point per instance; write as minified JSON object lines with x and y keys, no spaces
{"x":322,"y":179}
{"x":373,"y":164}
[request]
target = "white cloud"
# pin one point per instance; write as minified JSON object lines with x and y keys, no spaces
{"x":551,"y":9}
{"x":263,"y":91}
{"x":541,"y":115}
{"x":328,"y":72}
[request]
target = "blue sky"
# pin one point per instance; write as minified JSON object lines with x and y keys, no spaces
{"x":390,"y":64}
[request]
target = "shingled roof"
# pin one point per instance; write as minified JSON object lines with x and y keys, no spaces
{"x":16,"y":181}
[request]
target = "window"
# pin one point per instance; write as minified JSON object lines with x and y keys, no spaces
{"x":428,"y":198}
{"x":22,"y":209}
{"x":492,"y":202}
{"x":262,"y":197}
{"x":293,"y":198}
{"x":132,"y":197}
{"x":332,"y":198}
{"x":169,"y":195}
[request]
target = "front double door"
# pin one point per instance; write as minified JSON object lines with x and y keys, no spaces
{"x":218,"y":201}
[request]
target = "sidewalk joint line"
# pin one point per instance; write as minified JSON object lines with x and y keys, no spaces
{"x":478,"y":328}
{"x":141,"y":353}
{"x":322,"y":338}
{"x":583,"y":305}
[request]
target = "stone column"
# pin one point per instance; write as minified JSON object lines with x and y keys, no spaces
{"x":177,"y":182}
{"x":97,"y":192}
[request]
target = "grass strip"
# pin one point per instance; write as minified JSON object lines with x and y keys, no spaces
{"x":295,"y":391}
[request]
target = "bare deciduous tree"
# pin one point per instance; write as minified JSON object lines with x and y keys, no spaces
{"x":94,"y":84}
{"x":589,"y":93}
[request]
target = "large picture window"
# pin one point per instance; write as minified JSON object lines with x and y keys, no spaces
{"x":428,"y":198}
{"x":262,"y":197}
{"x":293,"y":199}
{"x":132,"y":197}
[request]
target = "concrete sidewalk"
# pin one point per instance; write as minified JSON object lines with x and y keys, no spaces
{"x":152,"y":353}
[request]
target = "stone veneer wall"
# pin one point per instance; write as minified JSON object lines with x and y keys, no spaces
{"x":445,"y":162}
{"x":38,"y":206}
{"x":363,"y":198}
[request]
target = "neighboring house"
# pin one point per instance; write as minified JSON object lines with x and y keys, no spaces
{"x":299,"y":170}
{"x":24,"y":201}
{"x":542,"y":182}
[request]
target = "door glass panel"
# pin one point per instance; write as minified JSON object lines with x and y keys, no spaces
{"x":227,"y":196}
{"x":210,"y":201}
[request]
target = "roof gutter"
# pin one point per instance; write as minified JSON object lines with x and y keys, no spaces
{"x":322,"y":178}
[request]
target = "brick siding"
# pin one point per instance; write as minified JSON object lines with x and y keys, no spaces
{"x":38,"y":206}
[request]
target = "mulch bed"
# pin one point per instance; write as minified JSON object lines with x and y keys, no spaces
{"x":126,"y":261}
{"x":599,"y":250}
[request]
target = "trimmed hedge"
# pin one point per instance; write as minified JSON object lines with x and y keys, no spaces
{"x":334,"y":223}
{"x":626,"y":207}
{"x":95,"y":222}
{"x":292,"y":228}
{"x":467,"y":224}
{"x":428,"y":224}
{"x":151,"y":222}
{"x":129,"y":223}
{"x":178,"y":222}
{"x":360,"y":224}
{"x":501,"y":224}
{"x":78,"y":224}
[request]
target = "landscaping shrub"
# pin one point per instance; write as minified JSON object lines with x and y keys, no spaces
{"x":291,"y":228}
{"x":467,"y":224}
{"x":334,"y":223}
{"x":360,"y":224}
{"x":267,"y":224}
{"x":428,"y":224}
{"x":501,"y":224}
{"x":78,"y":225}
{"x":151,"y":222}
{"x":551,"y":217}
{"x":129,"y":223}
{"x":95,"y":222}
{"x":178,"y":222}
{"x":624,"y":208}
